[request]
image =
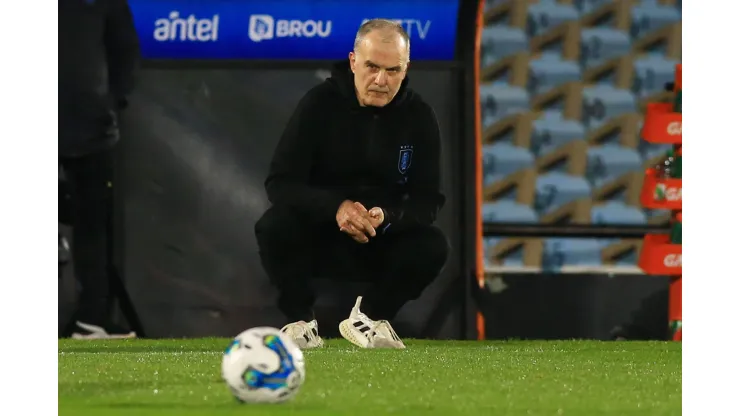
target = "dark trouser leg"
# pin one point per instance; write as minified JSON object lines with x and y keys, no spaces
{"x":88,"y":178}
{"x":286,"y":247}
{"x":409,"y":262}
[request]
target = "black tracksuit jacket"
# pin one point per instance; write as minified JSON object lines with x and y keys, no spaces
{"x":98,"y":57}
{"x":333,"y":149}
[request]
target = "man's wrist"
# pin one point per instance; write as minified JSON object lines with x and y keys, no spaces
{"x":386,"y":223}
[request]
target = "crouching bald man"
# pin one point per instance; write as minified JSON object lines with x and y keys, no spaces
{"x":355,"y":188}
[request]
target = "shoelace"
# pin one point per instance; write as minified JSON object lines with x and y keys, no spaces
{"x":383,"y":329}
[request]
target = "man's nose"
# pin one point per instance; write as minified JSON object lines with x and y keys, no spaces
{"x":382,"y":78}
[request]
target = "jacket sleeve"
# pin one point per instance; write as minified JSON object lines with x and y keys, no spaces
{"x":122,"y":46}
{"x":424,"y":198}
{"x":287,"y":183}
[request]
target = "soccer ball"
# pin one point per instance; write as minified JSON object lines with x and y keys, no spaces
{"x":262,"y":365}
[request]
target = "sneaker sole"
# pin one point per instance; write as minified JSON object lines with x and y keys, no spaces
{"x":389,"y":344}
{"x":351,"y":334}
{"x":304,"y":345}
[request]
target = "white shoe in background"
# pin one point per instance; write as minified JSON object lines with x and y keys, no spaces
{"x":362,"y":331}
{"x":304,"y":334}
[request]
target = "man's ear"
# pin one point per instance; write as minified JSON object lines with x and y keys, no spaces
{"x":352,"y":60}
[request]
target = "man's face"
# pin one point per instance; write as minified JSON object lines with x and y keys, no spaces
{"x":379,"y":68}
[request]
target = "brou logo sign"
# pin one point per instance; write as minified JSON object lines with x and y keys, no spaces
{"x":265,"y":27}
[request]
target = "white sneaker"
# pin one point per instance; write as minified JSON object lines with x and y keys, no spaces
{"x":362,"y":331}
{"x":89,"y":331}
{"x":305,"y":334}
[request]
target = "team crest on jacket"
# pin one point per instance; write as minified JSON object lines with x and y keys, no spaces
{"x":405,"y":154}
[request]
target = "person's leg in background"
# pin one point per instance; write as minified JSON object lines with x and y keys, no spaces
{"x":409,"y":261}
{"x":293,"y":251}
{"x":286,"y":251}
{"x":405,"y":264}
{"x":89,"y":179}
{"x":288,"y":247}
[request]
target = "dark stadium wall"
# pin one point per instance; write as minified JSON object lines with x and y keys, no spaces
{"x":196,"y":148}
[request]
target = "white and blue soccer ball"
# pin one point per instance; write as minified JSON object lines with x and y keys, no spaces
{"x":262,"y":365}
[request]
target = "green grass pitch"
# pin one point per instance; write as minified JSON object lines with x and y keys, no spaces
{"x":182,"y":377}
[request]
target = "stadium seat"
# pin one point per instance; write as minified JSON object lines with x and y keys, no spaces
{"x":556,"y":189}
{"x":600,"y":44}
{"x":500,"y":41}
{"x":560,"y":252}
{"x":609,"y":162}
{"x":651,"y":74}
{"x":552,"y":131}
{"x":550,"y":71}
{"x":650,"y":16}
{"x":588,"y":6}
{"x":500,"y":100}
{"x":515,"y":258}
{"x":655,"y":213}
{"x":488,"y":176}
{"x":505,"y":158}
{"x":508,"y":211}
{"x":648,"y":150}
{"x":546,"y":15}
{"x":616,"y":212}
{"x":602,"y":102}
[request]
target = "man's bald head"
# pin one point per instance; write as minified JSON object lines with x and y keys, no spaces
{"x":387,"y":31}
{"x":379,"y":61}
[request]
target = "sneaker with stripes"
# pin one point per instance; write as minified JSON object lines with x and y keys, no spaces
{"x":305,"y":334}
{"x":364,"y":332}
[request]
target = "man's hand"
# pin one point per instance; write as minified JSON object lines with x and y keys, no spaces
{"x":376,"y":216}
{"x":353,"y":219}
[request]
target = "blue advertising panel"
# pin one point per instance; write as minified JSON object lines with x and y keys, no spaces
{"x":286,"y":29}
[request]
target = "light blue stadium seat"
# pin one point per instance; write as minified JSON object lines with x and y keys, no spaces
{"x":599,"y":44}
{"x":505,"y":158}
{"x":609,"y":162}
{"x":500,"y":100}
{"x":555,"y":189}
{"x":616,"y":212}
{"x":489,"y":177}
{"x":650,"y":16}
{"x":501,"y":41}
{"x":514,"y":258}
{"x":552,"y":131}
{"x":508,"y":195}
{"x":558,"y":252}
{"x":508,"y":211}
{"x":587,"y":6}
{"x":602,"y":102}
{"x":544,"y":16}
{"x":649,"y":150}
{"x":653,"y":213}
{"x":551,"y":71}
{"x":652,"y":72}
